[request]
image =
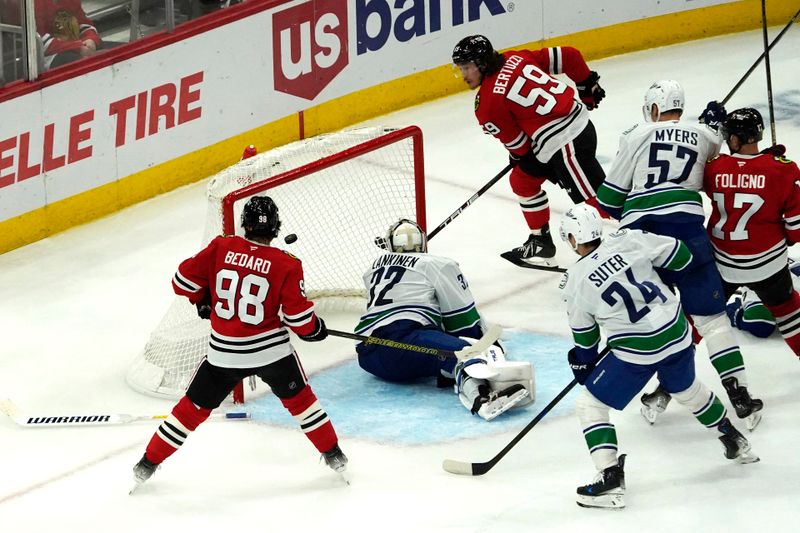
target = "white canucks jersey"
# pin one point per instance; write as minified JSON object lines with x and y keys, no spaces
{"x":615,"y":288}
{"x":425,"y":288}
{"x":659,"y":170}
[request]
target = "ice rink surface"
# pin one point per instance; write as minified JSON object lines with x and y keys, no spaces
{"x":77,"y":307}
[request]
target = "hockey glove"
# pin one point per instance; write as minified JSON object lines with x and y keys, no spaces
{"x":776,"y":151}
{"x":204,"y":307}
{"x":590,"y":91}
{"x":529,"y":165}
{"x":318,"y":334}
{"x":580,"y":368}
{"x":735,"y":312}
{"x":713,"y":115}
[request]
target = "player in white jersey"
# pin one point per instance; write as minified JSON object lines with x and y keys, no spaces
{"x":654,"y":185}
{"x":423,"y":299}
{"x":748,"y":313}
{"x":614,"y":287}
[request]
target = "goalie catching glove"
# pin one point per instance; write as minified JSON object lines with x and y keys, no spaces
{"x":590,"y":91}
{"x":319,"y":333}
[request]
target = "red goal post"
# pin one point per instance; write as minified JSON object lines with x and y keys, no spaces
{"x":336,"y":192}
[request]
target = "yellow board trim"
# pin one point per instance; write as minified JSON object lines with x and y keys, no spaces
{"x":368,"y":103}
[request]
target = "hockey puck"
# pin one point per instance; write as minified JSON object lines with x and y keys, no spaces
{"x":289,"y":239}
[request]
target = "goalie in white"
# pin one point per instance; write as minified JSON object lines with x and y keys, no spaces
{"x":423,"y":299}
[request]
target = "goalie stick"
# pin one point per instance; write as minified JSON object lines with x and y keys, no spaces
{"x":95,"y":419}
{"x":478,"y":469}
{"x":491,"y":335}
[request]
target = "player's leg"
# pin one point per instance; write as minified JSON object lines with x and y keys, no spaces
{"x":612,"y":384}
{"x":577,"y":169}
{"x":535,"y":208}
{"x":209,"y":387}
{"x":783,"y":302}
{"x":677,"y":375}
{"x":289,"y":383}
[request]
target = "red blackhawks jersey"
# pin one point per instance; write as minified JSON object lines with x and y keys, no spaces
{"x":525,"y":107}
{"x":756,"y":208}
{"x":249,"y":283}
{"x":50,"y":19}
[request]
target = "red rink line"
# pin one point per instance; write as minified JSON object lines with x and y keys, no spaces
{"x":27,"y":490}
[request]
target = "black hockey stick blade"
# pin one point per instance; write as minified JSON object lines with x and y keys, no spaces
{"x":478,"y":469}
{"x":509,"y":256}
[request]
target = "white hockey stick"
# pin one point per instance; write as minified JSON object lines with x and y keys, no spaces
{"x":98,"y":419}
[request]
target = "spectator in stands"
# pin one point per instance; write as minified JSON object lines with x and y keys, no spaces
{"x":67,"y":33}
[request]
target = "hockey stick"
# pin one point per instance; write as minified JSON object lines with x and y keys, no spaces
{"x":478,"y":469}
{"x":761,"y":57}
{"x":97,"y":419}
{"x":491,"y":335}
{"x":767,"y":68}
{"x":469,"y":202}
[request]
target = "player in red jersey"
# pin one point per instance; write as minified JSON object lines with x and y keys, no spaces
{"x":544,"y":124}
{"x":241,"y":284}
{"x":756,"y":214}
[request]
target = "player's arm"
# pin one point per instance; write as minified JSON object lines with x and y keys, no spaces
{"x":298,"y":311}
{"x":459,"y":314}
{"x":191,"y":278}
{"x":791,"y":209}
{"x":614,"y":190}
{"x":568,"y":60}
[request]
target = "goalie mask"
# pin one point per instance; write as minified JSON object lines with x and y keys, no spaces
{"x":666,"y":95}
{"x":260,"y":218}
{"x":583,"y":222}
{"x":406,"y":236}
{"x":746,"y":124}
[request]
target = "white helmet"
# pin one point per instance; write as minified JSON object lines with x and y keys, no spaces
{"x":582,"y":222}
{"x":406,"y":236}
{"x":666,"y":95}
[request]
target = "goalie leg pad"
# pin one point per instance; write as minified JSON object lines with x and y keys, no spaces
{"x":515,"y":373}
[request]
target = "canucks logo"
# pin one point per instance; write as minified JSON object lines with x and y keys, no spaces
{"x":564,"y":280}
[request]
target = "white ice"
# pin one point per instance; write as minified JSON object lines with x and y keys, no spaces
{"x":77,"y":307}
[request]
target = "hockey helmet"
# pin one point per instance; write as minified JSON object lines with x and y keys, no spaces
{"x":746,"y":123}
{"x":666,"y":95}
{"x":406,"y":236}
{"x":260,"y":218}
{"x":477,"y":49}
{"x":583,"y":222}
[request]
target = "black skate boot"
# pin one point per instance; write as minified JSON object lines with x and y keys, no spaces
{"x":607,"y":490}
{"x":736,"y":446}
{"x":142,"y":471}
{"x":336,"y":459}
{"x":654,"y":403}
{"x":746,"y":407}
{"x":537,"y":250}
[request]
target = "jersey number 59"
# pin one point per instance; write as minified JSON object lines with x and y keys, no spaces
{"x":544,"y":87}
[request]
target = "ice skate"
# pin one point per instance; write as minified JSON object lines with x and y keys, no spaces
{"x":537,"y":251}
{"x":607,"y":490}
{"x":736,"y":446}
{"x":142,"y":471}
{"x":746,"y":407}
{"x":654,"y":403}
{"x":497,"y":402}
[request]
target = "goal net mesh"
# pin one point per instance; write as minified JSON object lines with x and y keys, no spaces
{"x":336,"y":192}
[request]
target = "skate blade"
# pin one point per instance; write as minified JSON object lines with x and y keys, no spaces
{"x":345,"y":477}
{"x":136,"y":485}
{"x":747,"y":458}
{"x":649,"y":414}
{"x":752,"y":421}
{"x":514,"y":400}
{"x":612,"y":502}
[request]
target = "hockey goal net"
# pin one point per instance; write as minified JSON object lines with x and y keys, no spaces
{"x":336,"y":192}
